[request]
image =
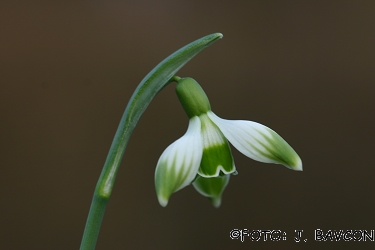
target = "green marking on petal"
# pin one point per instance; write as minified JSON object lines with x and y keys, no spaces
{"x":279,"y":151}
{"x":212,"y":188}
{"x":164,"y":189}
{"x":217,"y":157}
{"x":168,"y":180}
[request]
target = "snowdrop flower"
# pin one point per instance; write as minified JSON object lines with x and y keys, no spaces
{"x":203,"y":156}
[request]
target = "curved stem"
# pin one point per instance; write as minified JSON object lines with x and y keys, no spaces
{"x":154,"y":81}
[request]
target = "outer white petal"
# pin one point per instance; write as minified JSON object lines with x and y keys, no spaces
{"x":178,"y":165}
{"x":258,"y":142}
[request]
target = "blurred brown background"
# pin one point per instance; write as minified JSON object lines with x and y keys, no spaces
{"x":67,"y":71}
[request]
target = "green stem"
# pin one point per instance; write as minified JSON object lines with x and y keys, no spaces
{"x":154,"y":81}
{"x":94,"y":221}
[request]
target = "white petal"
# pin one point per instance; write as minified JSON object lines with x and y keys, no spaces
{"x":179,"y":163}
{"x":258,"y":142}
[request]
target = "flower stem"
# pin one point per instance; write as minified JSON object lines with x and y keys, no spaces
{"x":154,"y":82}
{"x":94,"y":221}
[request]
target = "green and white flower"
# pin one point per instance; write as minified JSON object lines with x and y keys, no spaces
{"x":203,"y":155}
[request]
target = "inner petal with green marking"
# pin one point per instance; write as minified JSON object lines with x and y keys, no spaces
{"x":217,"y":157}
{"x":212,"y":187}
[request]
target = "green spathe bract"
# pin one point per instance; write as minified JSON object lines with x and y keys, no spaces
{"x":154,"y":81}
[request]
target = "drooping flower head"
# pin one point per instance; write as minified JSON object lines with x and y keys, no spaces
{"x":203,"y":156}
